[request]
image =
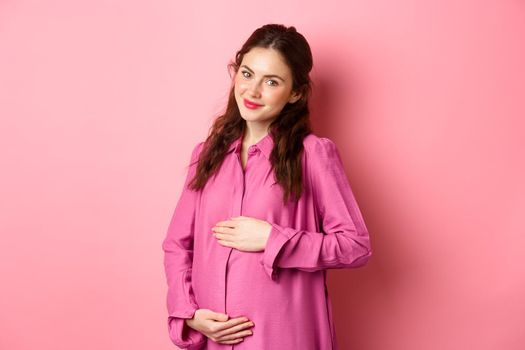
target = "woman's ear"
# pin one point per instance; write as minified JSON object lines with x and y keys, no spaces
{"x":294,"y":97}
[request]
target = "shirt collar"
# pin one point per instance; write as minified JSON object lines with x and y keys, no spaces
{"x":265,"y":145}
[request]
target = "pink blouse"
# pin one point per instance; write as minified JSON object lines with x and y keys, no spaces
{"x":283,"y":288}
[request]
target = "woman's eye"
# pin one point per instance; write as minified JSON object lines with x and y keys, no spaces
{"x":271,"y":82}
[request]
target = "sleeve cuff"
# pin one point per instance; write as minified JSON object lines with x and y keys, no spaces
{"x":275,"y":242}
{"x":184,"y":336}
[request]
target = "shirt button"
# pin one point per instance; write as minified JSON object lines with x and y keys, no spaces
{"x":252,"y":149}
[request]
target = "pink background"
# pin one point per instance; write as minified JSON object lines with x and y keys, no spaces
{"x":101,"y":103}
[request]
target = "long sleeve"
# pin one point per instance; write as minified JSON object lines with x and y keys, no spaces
{"x":178,"y":258}
{"x":344,"y":241}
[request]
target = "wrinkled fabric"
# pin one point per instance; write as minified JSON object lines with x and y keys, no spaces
{"x":283,"y":288}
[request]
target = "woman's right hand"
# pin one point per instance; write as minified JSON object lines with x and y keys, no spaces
{"x":219,"y":328}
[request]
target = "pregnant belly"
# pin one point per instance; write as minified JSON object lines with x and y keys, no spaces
{"x":248,"y":287}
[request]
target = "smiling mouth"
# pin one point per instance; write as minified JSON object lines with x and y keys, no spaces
{"x":250,"y":104}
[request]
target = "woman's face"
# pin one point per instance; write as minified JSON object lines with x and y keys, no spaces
{"x":263,"y":79}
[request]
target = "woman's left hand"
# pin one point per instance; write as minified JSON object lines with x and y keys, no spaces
{"x":243,"y":233}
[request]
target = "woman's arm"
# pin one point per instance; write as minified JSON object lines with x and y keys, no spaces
{"x":178,"y":258}
{"x":344,"y":241}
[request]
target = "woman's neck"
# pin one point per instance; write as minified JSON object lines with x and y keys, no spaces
{"x":253,"y":135}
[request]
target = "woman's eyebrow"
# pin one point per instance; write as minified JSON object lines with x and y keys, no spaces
{"x":267,"y":75}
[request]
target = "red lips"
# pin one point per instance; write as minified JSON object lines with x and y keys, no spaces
{"x":251,"y":105}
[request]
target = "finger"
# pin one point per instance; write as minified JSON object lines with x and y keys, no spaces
{"x":235,"y":329}
{"x":223,"y":229}
{"x":224,"y":237}
{"x":226,"y":223}
{"x":216,"y":316}
{"x":236,"y":335}
{"x":226,"y":243}
{"x":221,"y":325}
{"x":231,"y":341}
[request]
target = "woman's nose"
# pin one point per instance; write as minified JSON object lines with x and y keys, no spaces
{"x":253,"y":88}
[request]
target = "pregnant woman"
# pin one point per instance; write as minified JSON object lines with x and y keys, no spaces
{"x":266,"y":209}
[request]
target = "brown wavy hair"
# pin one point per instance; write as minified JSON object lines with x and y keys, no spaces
{"x":287,"y":130}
